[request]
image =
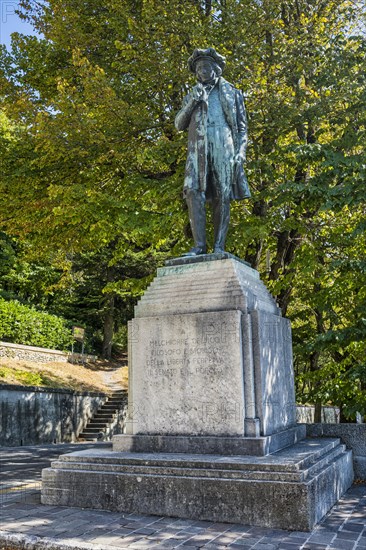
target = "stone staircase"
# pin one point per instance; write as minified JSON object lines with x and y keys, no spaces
{"x":101,"y":426}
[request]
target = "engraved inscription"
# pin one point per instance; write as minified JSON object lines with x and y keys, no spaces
{"x":184,"y":356}
{"x":187,"y":374}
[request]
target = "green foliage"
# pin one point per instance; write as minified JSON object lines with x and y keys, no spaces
{"x":25,"y":278}
{"x":25,"y":377}
{"x":93,"y":167}
{"x":21,"y":324}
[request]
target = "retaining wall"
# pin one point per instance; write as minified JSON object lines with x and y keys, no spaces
{"x":353,"y":435}
{"x":40,"y":355}
{"x":305,"y":414}
{"x":32,"y":415}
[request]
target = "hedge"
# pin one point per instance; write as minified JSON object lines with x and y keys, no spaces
{"x":22,"y":324}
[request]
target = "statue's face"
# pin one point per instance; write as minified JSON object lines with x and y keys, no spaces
{"x":205,"y":70}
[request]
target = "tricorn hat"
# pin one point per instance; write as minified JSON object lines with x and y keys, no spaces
{"x":209,"y":53}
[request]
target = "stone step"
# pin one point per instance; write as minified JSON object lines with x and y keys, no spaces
{"x":211,"y":445}
{"x":121,"y":396}
{"x":217,"y":277}
{"x":197,"y":284}
{"x":95,"y":432}
{"x":180,"y":472}
{"x":90,"y":437}
{"x":152,"y":309}
{"x":209,"y":257}
{"x":204,"y":287}
{"x":308,"y":452}
{"x":99,"y":420}
{"x":192,"y":285}
{"x":92,"y":429}
{"x":204,"y":291}
{"x":176,"y":294}
{"x":206,"y":271}
{"x":293,"y":459}
{"x":118,"y":395}
{"x":203,"y":303}
{"x":116,"y":398}
{"x":324,"y":461}
{"x":142,"y":466}
{"x":96,"y":425}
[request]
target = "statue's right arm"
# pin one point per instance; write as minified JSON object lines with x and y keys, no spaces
{"x":183,"y":117}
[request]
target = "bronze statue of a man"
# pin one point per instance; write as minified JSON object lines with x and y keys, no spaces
{"x":214,"y":114}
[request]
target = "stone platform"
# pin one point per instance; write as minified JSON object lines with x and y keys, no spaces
{"x":291,"y":489}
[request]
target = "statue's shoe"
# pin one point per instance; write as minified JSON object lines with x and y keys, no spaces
{"x":195,"y":251}
{"x":218,"y":250}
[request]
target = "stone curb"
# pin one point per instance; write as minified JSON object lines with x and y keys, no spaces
{"x":13,"y":541}
{"x":42,"y":389}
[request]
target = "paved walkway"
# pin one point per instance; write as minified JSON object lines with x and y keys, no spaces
{"x":21,"y":466}
{"x":26,"y":524}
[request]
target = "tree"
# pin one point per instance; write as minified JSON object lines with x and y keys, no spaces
{"x":101,"y":290}
{"x":90,"y":112}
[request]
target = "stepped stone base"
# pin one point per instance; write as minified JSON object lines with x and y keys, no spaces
{"x":211,"y":426}
{"x":226,"y":446}
{"x":290,"y":489}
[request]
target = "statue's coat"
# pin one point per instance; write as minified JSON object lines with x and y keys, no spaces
{"x":193,"y":115}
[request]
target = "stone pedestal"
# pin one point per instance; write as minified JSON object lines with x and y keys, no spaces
{"x":211,"y":431}
{"x":210,"y":354}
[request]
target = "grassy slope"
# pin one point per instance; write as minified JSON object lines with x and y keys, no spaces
{"x":88,"y":377}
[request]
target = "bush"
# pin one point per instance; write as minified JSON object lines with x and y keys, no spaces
{"x":120,"y":339}
{"x":21,"y":324}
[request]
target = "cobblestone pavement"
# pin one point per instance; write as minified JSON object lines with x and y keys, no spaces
{"x":26,"y":524}
{"x":22,"y":465}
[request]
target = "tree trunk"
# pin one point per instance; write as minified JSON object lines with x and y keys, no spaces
{"x":314,"y":366}
{"x":342,"y":418}
{"x":318,"y":412}
{"x":253,"y":254}
{"x":108,"y":327}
